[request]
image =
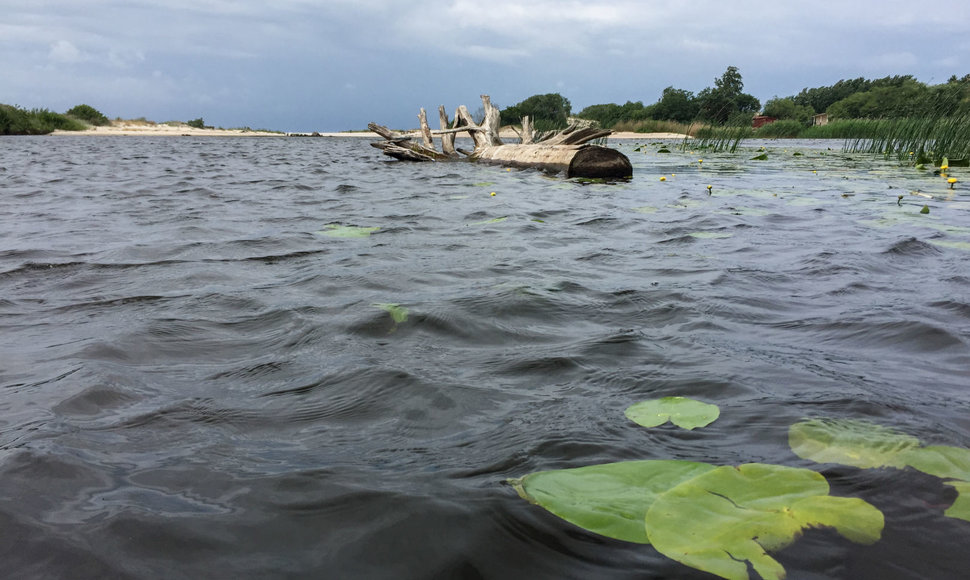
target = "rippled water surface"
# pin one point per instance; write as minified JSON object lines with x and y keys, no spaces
{"x":207,"y":372}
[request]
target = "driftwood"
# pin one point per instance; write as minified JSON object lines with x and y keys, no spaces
{"x":567,"y":151}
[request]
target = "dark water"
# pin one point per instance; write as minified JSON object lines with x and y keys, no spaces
{"x":197,"y":382}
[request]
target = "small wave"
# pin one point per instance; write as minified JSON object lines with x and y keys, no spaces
{"x":912,"y":247}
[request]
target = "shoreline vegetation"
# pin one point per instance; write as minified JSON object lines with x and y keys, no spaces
{"x":895,"y":115}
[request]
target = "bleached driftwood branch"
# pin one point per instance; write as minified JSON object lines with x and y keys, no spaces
{"x":568,"y":151}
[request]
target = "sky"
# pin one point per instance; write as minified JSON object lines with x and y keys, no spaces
{"x":314,"y":65}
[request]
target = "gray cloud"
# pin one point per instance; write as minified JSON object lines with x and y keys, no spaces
{"x":305,"y":64}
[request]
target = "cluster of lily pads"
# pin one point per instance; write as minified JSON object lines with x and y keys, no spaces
{"x":721,"y":519}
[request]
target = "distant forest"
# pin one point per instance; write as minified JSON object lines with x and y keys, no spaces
{"x":726,"y":102}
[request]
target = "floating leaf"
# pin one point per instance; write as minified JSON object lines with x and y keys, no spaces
{"x":961,"y":506}
{"x":849,"y":442}
{"x":611,"y":499}
{"x":339,"y":231}
{"x":729,"y":516}
{"x":762,"y":157}
{"x":398,"y":313}
{"x":863,"y":444}
{"x":710,"y":235}
{"x":663,"y":150}
{"x":681,"y":411}
{"x":491,"y":221}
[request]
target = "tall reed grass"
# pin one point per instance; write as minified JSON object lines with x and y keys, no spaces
{"x":923,"y":139}
{"x":720,"y":138}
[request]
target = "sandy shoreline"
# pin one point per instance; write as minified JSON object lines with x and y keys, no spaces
{"x":182,"y":130}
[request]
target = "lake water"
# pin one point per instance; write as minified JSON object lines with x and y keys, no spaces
{"x":206,"y":372}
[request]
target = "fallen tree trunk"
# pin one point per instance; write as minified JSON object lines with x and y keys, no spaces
{"x":573,"y":160}
{"x":566,"y":152}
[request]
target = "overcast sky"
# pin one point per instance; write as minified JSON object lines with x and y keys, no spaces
{"x":305,"y":65}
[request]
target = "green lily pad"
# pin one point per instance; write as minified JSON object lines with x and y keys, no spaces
{"x":339,"y":231}
{"x":762,"y":157}
{"x":611,"y":499}
{"x":942,"y":461}
{"x":961,"y":506}
{"x":725,"y":518}
{"x":849,"y":442}
{"x":681,"y":411}
{"x":866,"y":445}
{"x":398,"y":313}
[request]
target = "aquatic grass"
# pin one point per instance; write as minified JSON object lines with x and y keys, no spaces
{"x":720,"y":138}
{"x":928,"y":139}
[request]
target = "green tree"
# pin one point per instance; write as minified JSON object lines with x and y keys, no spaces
{"x":821,"y":98}
{"x":787,"y":109}
{"x":892,"y":97}
{"x":547,"y":111}
{"x":676,"y":105}
{"x":606,"y":115}
{"x":725,"y":99}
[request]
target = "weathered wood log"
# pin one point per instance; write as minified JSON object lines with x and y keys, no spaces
{"x":447,"y":141}
{"x":403,"y":147}
{"x":425,"y":129}
{"x":573,"y":160}
{"x":566,"y":152}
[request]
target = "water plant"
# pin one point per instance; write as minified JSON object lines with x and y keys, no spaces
{"x":728,"y":519}
{"x":928,"y":139}
{"x":720,"y":519}
{"x":341,"y":231}
{"x":681,"y":411}
{"x":720,"y":138}
{"x":867,"y":445}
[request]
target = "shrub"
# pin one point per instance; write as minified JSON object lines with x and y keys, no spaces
{"x":88,"y":114}
{"x":17,"y":121}
{"x":196,"y":123}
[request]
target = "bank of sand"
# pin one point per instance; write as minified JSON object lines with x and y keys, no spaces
{"x":131,"y":128}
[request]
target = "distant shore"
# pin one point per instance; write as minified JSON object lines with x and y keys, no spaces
{"x":147,"y":128}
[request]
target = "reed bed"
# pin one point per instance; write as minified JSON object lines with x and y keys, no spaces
{"x":720,"y":138}
{"x":924,"y":139}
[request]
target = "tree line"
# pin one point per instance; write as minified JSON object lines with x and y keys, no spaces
{"x":726,"y":103}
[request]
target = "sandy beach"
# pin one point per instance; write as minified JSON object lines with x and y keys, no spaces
{"x":147,"y":128}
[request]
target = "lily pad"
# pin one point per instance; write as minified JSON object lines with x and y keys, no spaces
{"x":681,"y":411}
{"x":849,"y":442}
{"x":942,"y":461}
{"x":866,"y":445}
{"x":961,"y":506}
{"x":491,"y":221}
{"x":725,"y":518}
{"x":609,"y":499}
{"x":339,"y":231}
{"x":398,"y":313}
{"x":762,"y":157}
